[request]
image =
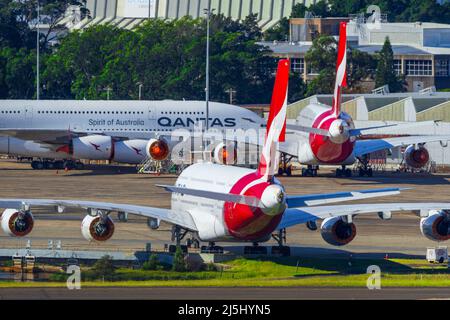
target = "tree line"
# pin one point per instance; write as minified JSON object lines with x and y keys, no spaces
{"x":166,"y":58}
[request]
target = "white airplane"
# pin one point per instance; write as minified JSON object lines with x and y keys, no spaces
{"x":216,"y":202}
{"x":324,"y":136}
{"x":122,"y":131}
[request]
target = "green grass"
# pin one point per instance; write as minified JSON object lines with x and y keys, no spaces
{"x":277,"y":272}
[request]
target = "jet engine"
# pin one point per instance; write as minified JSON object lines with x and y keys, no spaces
{"x":337,"y":232}
{"x":416,"y":157}
{"x":97,"y":228}
{"x":16,"y":223}
{"x":153,"y":223}
{"x":158,"y":149}
{"x":130,"y":151}
{"x":95,"y":147}
{"x":436,"y":226}
{"x":225,"y":153}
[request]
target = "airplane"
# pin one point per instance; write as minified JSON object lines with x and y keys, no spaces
{"x":121,"y":131}
{"x":324,"y":136}
{"x":222,"y":203}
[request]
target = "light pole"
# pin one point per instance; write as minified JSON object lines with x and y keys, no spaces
{"x":231,"y":92}
{"x":208,"y":13}
{"x":108,"y":90}
{"x":37,"y":51}
{"x":140,"y":84}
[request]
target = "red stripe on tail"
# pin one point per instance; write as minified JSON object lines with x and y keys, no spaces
{"x":341,"y":68}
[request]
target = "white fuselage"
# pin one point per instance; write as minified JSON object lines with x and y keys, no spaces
{"x":127,"y":120}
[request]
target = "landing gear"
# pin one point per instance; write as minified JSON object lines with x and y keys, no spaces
{"x":255,"y":249}
{"x":344,"y":172}
{"x":193,"y":243}
{"x":364,"y":168}
{"x":211,"y":248}
{"x":178,"y":235}
{"x":56,"y":164}
{"x":281,"y":249}
{"x":285,"y":165}
{"x":311,"y":171}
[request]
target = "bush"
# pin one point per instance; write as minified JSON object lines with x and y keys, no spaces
{"x":104,"y":268}
{"x":152,"y":263}
{"x":179,"y":264}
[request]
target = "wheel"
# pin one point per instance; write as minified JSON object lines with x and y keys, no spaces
{"x":280,"y":171}
{"x":49,"y":165}
{"x":289,"y":171}
{"x":39,"y":165}
{"x":58,"y":164}
{"x":348,"y":173}
{"x":303,"y":172}
{"x":370,"y":172}
{"x":69,"y":165}
{"x":309,"y":172}
{"x":441,"y":260}
{"x":361,"y":172}
{"x":172,"y":248}
{"x":338,"y":172}
{"x":315,"y":173}
{"x":79,"y":166}
{"x":284,"y":251}
{"x":34,"y":165}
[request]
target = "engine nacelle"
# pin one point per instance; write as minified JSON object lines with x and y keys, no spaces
{"x":337,"y":232}
{"x":130,"y":151}
{"x":94,"y":147}
{"x":158,"y":149}
{"x":416,"y":157}
{"x":16,"y":223}
{"x":97,"y":228}
{"x":339,"y":131}
{"x":436,"y":226}
{"x":225,"y":153}
{"x":153,"y":223}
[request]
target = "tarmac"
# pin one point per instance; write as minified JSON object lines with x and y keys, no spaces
{"x":399,"y":237}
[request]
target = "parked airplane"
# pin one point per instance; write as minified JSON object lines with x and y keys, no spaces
{"x":122,"y":131}
{"x":324,"y":136}
{"x":216,"y":202}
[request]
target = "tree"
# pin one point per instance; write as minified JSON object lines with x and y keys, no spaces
{"x":152,"y":263}
{"x":385,"y":74}
{"x":178,"y":263}
{"x":104,"y":268}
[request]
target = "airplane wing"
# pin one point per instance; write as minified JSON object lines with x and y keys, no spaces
{"x":363,"y":147}
{"x":181,"y":219}
{"x":41,"y":135}
{"x":296,"y":216}
{"x":324,"y":198}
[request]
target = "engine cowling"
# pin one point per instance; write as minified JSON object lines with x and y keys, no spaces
{"x":337,"y":232}
{"x":225,"y":154}
{"x":16,"y":223}
{"x":130,"y":151}
{"x":153,"y":223}
{"x":97,"y":228}
{"x":95,"y":147}
{"x":416,"y":157}
{"x":436,"y":226}
{"x":158,"y":149}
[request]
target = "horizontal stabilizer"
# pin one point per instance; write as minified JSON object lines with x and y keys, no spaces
{"x":317,"y":131}
{"x":228,"y":197}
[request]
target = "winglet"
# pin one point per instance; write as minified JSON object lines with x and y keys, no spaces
{"x":341,"y":69}
{"x":276,"y":123}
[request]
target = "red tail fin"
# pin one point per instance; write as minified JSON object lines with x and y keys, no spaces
{"x":276,"y":123}
{"x":341,"y":69}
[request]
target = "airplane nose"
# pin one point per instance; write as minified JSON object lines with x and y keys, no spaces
{"x":274,"y":200}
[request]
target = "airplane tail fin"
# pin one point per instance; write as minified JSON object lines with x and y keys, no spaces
{"x":341,"y":69}
{"x":276,"y":123}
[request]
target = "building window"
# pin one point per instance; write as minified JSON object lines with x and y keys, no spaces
{"x":398,"y":66}
{"x":419,"y":68}
{"x":298,"y":65}
{"x":442,"y":69}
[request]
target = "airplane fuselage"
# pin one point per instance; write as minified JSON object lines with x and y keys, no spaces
{"x":316,"y":149}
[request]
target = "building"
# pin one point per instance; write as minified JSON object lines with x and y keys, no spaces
{"x":131,"y":13}
{"x":421,"y":50}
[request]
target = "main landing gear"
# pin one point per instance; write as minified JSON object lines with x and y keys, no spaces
{"x":255,"y":249}
{"x":178,"y":235}
{"x":311,"y":171}
{"x":364,"y":167}
{"x":285,"y":165}
{"x":281,"y":249}
{"x":211,"y":248}
{"x":56,"y":164}
{"x":344,"y":172}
